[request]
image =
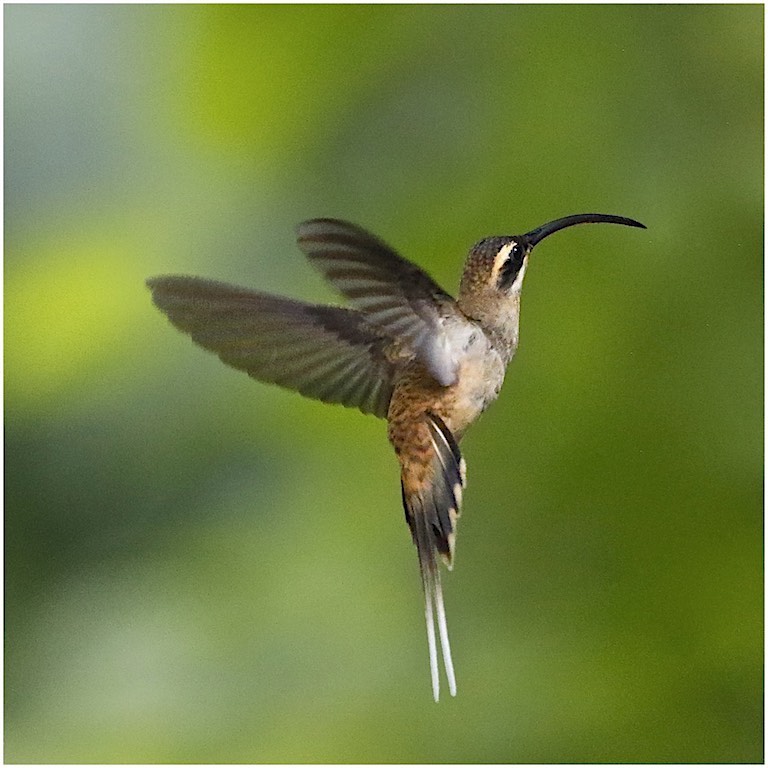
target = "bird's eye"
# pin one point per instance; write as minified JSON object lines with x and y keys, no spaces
{"x":511,"y":266}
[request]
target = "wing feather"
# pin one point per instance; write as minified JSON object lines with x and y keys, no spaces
{"x":395,"y":294}
{"x":328,"y":353}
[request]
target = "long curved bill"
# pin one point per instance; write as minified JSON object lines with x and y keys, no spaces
{"x":538,"y":234}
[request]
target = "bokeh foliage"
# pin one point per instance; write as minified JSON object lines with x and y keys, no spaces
{"x":200,"y":568}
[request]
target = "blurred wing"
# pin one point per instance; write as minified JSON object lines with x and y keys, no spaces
{"x":328,"y":353}
{"x":395,"y":295}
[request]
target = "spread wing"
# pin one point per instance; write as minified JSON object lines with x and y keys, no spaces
{"x":395,"y":295}
{"x":328,"y":353}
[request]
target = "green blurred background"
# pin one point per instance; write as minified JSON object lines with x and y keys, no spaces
{"x":202,"y":568}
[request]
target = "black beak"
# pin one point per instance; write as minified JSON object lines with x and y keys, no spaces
{"x":538,"y":234}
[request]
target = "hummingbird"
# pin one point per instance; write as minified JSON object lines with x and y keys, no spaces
{"x":404,"y":351}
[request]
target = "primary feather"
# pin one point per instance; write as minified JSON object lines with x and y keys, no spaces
{"x":331,"y":354}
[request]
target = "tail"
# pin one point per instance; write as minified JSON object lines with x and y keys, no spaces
{"x":431,"y":512}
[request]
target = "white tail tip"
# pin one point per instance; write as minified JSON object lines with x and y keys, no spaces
{"x":445,"y":644}
{"x":432,"y":645}
{"x":433,"y":596}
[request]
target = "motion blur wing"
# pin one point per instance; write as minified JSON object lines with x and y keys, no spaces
{"x":328,"y":353}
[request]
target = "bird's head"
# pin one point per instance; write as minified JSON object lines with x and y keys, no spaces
{"x":495,"y":268}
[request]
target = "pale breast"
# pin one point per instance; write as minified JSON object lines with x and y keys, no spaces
{"x":481,"y":374}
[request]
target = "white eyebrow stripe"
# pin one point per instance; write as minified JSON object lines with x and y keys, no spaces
{"x":501,"y":259}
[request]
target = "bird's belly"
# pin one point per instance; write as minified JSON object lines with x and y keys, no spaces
{"x":478,"y":385}
{"x":479,"y":378}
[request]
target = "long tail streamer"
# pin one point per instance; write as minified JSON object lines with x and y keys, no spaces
{"x":432,"y":513}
